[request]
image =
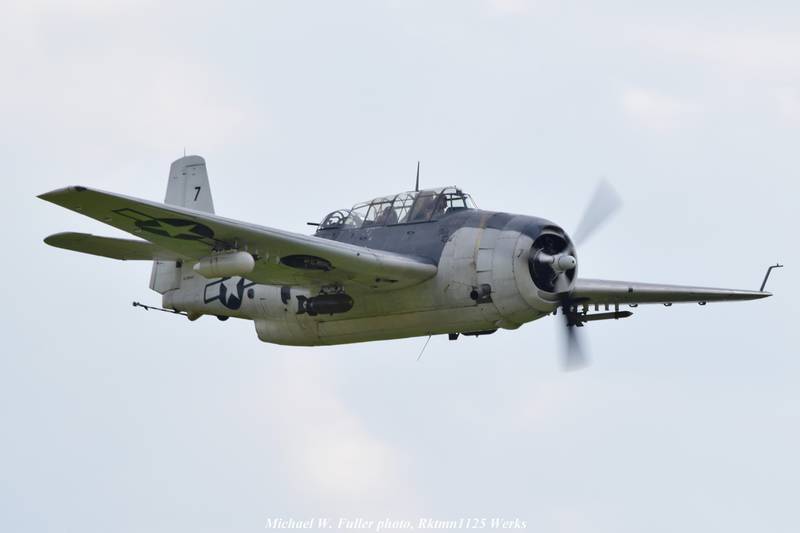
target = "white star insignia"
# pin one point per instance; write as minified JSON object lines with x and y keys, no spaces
{"x":230,"y":287}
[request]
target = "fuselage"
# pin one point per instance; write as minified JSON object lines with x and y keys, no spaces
{"x":483,"y":283}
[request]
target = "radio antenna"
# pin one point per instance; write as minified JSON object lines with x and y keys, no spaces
{"x":423,"y":348}
{"x":416,"y":187}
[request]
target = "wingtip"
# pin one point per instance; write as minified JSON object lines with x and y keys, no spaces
{"x":756,"y":295}
{"x":55,"y":238}
{"x":49,"y":195}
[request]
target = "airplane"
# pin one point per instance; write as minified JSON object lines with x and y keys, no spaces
{"x":418,"y":263}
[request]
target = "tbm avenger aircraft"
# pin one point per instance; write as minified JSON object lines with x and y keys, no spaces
{"x":417,"y":263}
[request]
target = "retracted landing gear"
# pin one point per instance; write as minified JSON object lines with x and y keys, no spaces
{"x":454,"y":336}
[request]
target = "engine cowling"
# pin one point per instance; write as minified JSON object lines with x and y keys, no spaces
{"x":532,"y":264}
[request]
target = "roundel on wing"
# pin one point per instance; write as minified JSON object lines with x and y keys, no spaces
{"x":176,"y":228}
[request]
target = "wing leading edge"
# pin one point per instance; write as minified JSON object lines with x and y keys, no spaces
{"x":282,"y":257}
{"x":600,"y":291}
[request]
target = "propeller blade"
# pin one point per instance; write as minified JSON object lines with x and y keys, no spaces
{"x":561,"y":283}
{"x":603,"y":204}
{"x":574,"y":356}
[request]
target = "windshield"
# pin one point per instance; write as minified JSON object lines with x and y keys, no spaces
{"x":337,"y":219}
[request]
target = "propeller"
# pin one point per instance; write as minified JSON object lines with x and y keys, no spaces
{"x":604,"y":203}
{"x":574,"y":355}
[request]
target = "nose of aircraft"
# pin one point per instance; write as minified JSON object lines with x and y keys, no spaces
{"x":552,"y":262}
{"x":559,"y":263}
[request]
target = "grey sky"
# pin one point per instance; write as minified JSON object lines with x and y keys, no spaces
{"x":117,"y":419}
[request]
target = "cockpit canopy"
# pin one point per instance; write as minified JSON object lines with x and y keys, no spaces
{"x":403,"y":208}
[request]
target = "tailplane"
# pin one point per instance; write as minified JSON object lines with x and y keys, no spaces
{"x":188,"y":187}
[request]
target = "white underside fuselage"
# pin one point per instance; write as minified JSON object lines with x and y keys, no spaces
{"x":472,"y":258}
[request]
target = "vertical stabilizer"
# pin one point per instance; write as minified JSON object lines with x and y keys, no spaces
{"x":187,"y":186}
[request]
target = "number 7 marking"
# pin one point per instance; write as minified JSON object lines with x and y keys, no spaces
{"x":197,"y":193}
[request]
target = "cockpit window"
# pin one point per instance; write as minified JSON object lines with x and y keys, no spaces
{"x":456,"y":199}
{"x":404,"y":208}
{"x":337,"y":219}
{"x":428,"y":205}
{"x":431,"y":205}
{"x":380,"y":213}
{"x":357,"y":215}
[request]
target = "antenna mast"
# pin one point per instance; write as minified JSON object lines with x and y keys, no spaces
{"x":416,"y":187}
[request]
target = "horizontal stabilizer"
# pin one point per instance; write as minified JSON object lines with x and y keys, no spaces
{"x":123,"y":249}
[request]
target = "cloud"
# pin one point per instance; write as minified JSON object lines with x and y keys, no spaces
{"x":116,"y":72}
{"x":654,"y":110}
{"x":745,"y":68}
{"x":331,"y":455}
{"x":754,"y":53}
{"x":22,"y":21}
{"x":787,"y":100}
{"x":510,"y":7}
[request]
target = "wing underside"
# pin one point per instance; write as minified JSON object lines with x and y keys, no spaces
{"x":607,"y":292}
{"x":122,"y":249}
{"x":282,"y":257}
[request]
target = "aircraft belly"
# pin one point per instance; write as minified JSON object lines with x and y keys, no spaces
{"x":413,"y":324}
{"x":473,"y":258}
{"x":470,"y":258}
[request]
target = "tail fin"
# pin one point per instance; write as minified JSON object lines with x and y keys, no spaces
{"x":187,"y":187}
{"x":188,"y":184}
